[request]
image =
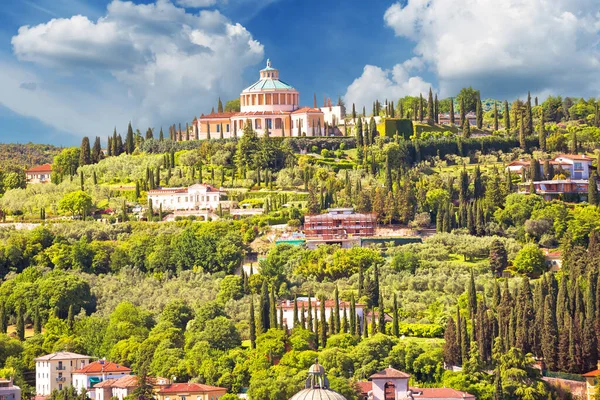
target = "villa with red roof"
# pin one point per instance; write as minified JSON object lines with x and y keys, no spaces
{"x":391,"y":384}
{"x":93,"y":373}
{"x":287,"y":310}
{"x":270,"y":106}
{"x":39,"y":174}
{"x":591,"y":382}
{"x":190,"y":391}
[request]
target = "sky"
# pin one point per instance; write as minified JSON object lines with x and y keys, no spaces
{"x":74,"y":68}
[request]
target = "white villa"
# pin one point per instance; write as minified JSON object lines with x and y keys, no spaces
{"x":54,"y":371}
{"x":578,"y":166}
{"x":195,"y":197}
{"x":288,"y":310}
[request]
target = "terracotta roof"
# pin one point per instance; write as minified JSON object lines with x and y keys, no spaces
{"x":124,"y":382}
{"x":439,"y":393}
{"x":223,"y":115}
{"x":62,"y":355}
{"x":190,"y":388}
{"x":581,"y":157}
{"x":264,"y":113}
{"x":307,"y":110}
{"x":518,"y":162}
{"x":41,"y":168}
{"x":592,"y":374}
{"x":390,"y":373}
{"x":101,"y":366}
{"x":364,"y":386}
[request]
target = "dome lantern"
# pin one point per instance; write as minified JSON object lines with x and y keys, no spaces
{"x":317,"y":386}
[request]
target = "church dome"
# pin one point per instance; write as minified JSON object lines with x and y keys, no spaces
{"x":317,"y":386}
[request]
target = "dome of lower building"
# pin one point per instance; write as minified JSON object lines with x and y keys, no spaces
{"x":317,"y":386}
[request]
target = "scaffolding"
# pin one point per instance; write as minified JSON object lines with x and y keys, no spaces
{"x":340,"y":226}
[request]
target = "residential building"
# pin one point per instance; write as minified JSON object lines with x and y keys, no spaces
{"x":190,"y":391}
{"x":98,"y":371}
{"x":340,"y":226}
{"x":391,"y":384}
{"x":553,"y":259}
{"x":195,"y":197}
{"x":287,"y":308}
{"x":122,"y":387}
{"x":574,"y":166}
{"x":557,"y":188}
{"x":270,"y":106}
{"x":39,"y":174}
{"x":591,"y":382}
{"x":444,"y":118}
{"x":8,"y":391}
{"x":54,"y":371}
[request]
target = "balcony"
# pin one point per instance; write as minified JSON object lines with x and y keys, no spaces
{"x":61,"y":379}
{"x":60,"y":368}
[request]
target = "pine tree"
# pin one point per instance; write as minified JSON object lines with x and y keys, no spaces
{"x":85,"y":157}
{"x":506,"y":117}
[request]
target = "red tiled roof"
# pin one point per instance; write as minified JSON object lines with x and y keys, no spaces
{"x":518,"y":162}
{"x":124,"y":382}
{"x":592,"y":374}
{"x":223,"y":115}
{"x":168,"y":190}
{"x":390,"y":373}
{"x":581,"y":157}
{"x":102,"y":366}
{"x":439,"y":393}
{"x":190,"y":388}
{"x":41,"y":168}
{"x":307,"y":110}
{"x":364,"y":387}
{"x":263,"y":113}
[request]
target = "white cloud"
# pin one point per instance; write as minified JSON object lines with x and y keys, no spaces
{"x":505,"y":47}
{"x":149,"y":63}
{"x":378,"y":84}
{"x":196,"y":3}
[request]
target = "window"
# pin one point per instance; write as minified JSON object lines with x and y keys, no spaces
{"x":257,"y":124}
{"x":218,"y":128}
{"x":182,"y":397}
{"x":269,"y":123}
{"x":227,"y":128}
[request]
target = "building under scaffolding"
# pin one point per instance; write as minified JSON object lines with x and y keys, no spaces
{"x":339,"y":224}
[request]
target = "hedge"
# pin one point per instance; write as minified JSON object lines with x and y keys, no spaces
{"x":421,"y":330}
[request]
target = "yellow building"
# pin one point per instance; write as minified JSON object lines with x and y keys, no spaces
{"x":591,"y":383}
{"x":190,"y":391}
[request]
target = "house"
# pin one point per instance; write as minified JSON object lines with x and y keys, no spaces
{"x":550,"y":190}
{"x":578,"y":165}
{"x":444,"y":118}
{"x":195,"y":197}
{"x":591,"y":382}
{"x":190,"y":391}
{"x":287,"y":308}
{"x":8,"y":391}
{"x":553,"y":259}
{"x":39,"y":174}
{"x":120,"y":388}
{"x":54,"y":371}
{"x":98,"y":371}
{"x":340,"y":226}
{"x":391,"y":384}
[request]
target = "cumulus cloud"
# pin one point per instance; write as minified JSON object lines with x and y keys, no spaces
{"x":504,"y":47}
{"x":149,"y":63}
{"x":196,"y":3}
{"x":376,"y":83}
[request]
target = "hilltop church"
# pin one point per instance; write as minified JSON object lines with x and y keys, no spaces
{"x":271,"y":106}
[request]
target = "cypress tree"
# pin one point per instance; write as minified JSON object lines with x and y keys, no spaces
{"x":303,"y":317}
{"x":373,"y":322}
{"x":129,"y":141}
{"x":273,"y":309}
{"x":94,"y":178}
{"x":466,"y":128}
{"x":345,"y":324}
{"x":506,"y":117}
{"x":395,"y":322}
{"x":479,"y":112}
{"x":354,"y":329}
{"x":421,"y":107}
{"x":381,"y":322}
{"x":323,"y":331}
{"x":124,"y":212}
{"x":252,"y":324}
{"x":549,"y":335}
{"x":496,"y":116}
{"x":281,"y":324}
{"x":451,"y":350}
{"x":452,"y":121}
{"x":220,"y":106}
{"x":3,"y":324}
{"x":574,"y":144}
{"x":96,"y":155}
{"x":463,"y":112}
{"x":458,"y":343}
{"x":71,"y":319}
{"x":20,"y":328}
{"x":465,"y":343}
{"x":296,"y":320}
{"x":161,"y":136}
{"x":528,"y":116}
{"x":81,"y":181}
{"x":542,"y":132}
{"x":309,"y":316}
{"x":472,"y":296}
{"x":430,"y":108}
{"x":264,"y":306}
{"x":436,"y":111}
{"x":477,"y":183}
{"x":85,"y":156}
{"x":336,"y":315}
{"x":522,"y":142}
{"x":525,"y":316}
{"x":593,"y":190}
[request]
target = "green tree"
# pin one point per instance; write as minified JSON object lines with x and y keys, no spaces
{"x":78,"y":202}
{"x":129,"y":140}
{"x":85,"y":156}
{"x":593,"y":190}
{"x":506,"y":117}
{"x":530,"y":260}
{"x":498,"y":257}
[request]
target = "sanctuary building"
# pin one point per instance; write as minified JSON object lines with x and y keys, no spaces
{"x":272,"y":107}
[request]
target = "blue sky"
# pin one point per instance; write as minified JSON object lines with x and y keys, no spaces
{"x":71,"y":68}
